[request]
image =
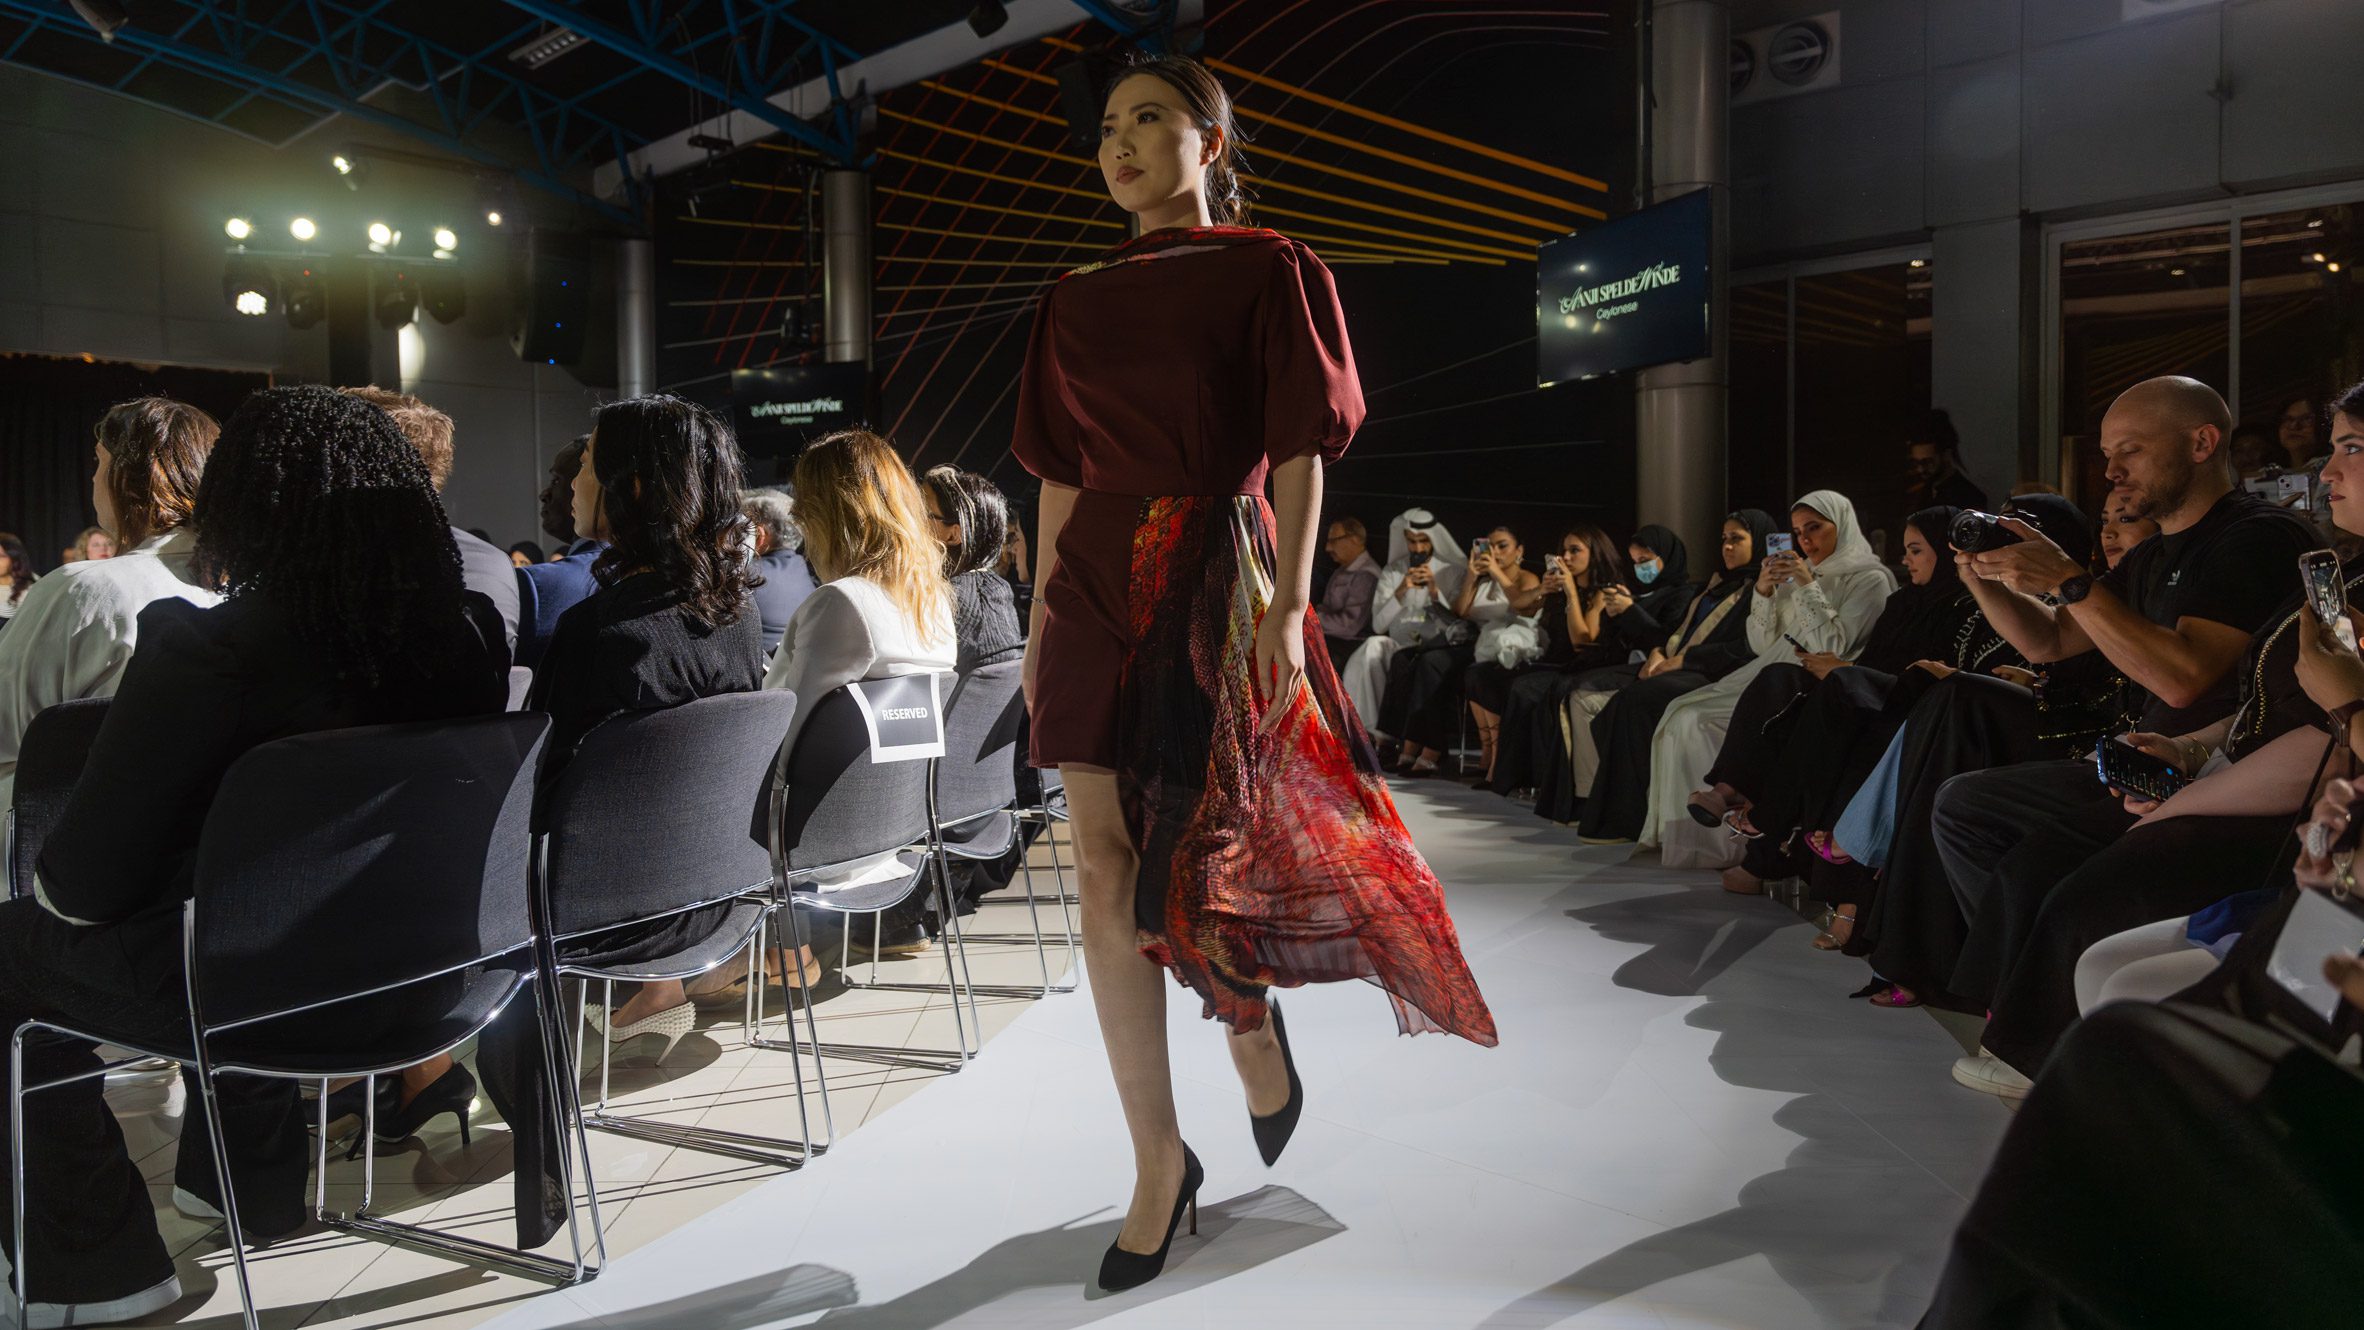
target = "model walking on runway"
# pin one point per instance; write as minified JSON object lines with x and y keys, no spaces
{"x":1231,"y":820}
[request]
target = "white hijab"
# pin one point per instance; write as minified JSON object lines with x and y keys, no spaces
{"x":1854,"y":553}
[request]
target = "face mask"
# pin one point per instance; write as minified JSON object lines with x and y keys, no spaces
{"x":1646,"y":573}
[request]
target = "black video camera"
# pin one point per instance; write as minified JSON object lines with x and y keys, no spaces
{"x":1975,"y":531}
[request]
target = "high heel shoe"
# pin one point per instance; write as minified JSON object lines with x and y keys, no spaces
{"x":672,"y":1024}
{"x":1707,"y":807}
{"x":349,"y":1101}
{"x":1274,"y":1129}
{"x":1121,"y":1269}
{"x":453,"y":1092}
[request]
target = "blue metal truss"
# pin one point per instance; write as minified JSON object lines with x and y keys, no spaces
{"x":1154,"y":34}
{"x":361,"y":52}
{"x":751,"y":31}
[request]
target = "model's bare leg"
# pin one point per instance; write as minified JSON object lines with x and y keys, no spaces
{"x":1263,"y":1072}
{"x":1129,"y":994}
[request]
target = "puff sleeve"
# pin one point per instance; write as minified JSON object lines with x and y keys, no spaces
{"x":1313,"y":400}
{"x":1046,"y":440}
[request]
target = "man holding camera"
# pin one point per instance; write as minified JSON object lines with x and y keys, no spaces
{"x":2175,"y":618}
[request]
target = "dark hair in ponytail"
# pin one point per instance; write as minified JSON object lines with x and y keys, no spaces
{"x":1209,"y":106}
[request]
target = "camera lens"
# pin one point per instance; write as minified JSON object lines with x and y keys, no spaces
{"x":1974,"y":531}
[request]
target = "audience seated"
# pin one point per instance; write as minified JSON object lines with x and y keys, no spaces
{"x":344,"y":607}
{"x":1016,"y":567}
{"x":2123,"y":526}
{"x":1798,"y":729}
{"x":783,"y":578}
{"x":483,"y":566}
{"x":526,"y":554}
{"x":1633,"y":620}
{"x":1935,"y":452}
{"x":16,"y":576}
{"x":1821,"y":598}
{"x":1410,"y":607}
{"x":548,"y":590}
{"x":95,"y":542}
{"x":1605,"y":780}
{"x":1570,"y":632}
{"x":659,"y":486}
{"x":77,"y":628}
{"x":1422,"y":702}
{"x":2299,"y":431}
{"x":1346,"y":600}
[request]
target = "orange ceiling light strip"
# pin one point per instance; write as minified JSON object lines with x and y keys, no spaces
{"x":1379,"y":152}
{"x":996,"y":208}
{"x":996,"y":176}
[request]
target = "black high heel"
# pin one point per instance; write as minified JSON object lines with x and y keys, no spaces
{"x":1274,"y":1129}
{"x":453,"y":1092}
{"x":1121,"y":1269}
{"x":348,"y":1102}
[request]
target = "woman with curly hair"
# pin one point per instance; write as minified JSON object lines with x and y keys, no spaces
{"x":16,"y":575}
{"x":343,"y":607}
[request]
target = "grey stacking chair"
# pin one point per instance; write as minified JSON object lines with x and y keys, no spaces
{"x":650,"y":819}
{"x":347,"y":865}
{"x":49,"y":762}
{"x":977,"y":792}
{"x":832,"y":805}
{"x":1045,"y":806}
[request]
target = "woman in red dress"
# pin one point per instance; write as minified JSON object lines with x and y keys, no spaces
{"x":1231,"y":820}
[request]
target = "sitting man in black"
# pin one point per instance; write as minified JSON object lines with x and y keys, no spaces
{"x":345,"y":607}
{"x":2175,"y":617}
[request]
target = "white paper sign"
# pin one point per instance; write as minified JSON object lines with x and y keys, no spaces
{"x":905,"y":715}
{"x":2317,"y":928}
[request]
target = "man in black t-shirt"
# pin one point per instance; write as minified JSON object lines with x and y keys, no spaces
{"x":2175,"y":617}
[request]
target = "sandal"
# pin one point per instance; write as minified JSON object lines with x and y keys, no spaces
{"x":1826,"y":848}
{"x":734,"y":993}
{"x":1897,"y":998}
{"x":1736,"y":822}
{"x":1831,"y":938}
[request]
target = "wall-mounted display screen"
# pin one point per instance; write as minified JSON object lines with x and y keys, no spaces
{"x":1629,"y":293}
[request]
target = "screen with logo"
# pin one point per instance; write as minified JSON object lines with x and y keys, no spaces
{"x":1629,"y":293}
{"x":779,"y":409}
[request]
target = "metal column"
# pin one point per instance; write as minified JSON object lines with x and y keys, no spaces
{"x":1679,"y":410}
{"x":636,"y":318}
{"x":845,"y":266}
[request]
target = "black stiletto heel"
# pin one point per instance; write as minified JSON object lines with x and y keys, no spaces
{"x":1121,"y":1269}
{"x":1274,"y":1129}
{"x":453,"y":1092}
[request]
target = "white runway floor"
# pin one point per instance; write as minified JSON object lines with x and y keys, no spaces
{"x":1686,"y":1125}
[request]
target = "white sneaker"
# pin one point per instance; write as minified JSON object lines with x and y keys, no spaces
{"x":1991,"y":1075}
{"x":58,"y":1315}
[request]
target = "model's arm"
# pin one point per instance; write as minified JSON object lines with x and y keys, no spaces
{"x":1280,"y":638}
{"x":1051,"y":515}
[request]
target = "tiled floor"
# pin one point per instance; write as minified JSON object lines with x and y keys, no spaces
{"x":1686,"y":1125}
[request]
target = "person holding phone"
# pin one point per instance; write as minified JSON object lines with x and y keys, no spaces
{"x":1824,"y":594}
{"x":1422,"y":704}
{"x":1411,"y":607}
{"x":1569,"y":618}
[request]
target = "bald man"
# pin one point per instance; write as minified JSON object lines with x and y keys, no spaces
{"x":2175,"y":617}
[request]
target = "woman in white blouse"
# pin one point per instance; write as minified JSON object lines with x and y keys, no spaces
{"x":883,"y":607}
{"x":75,"y":629}
{"x":1824,"y":597}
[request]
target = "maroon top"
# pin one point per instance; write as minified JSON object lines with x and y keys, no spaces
{"x":1187,"y":361}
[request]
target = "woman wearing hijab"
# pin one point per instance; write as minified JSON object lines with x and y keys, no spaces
{"x":1611,"y":718}
{"x":1799,"y":724}
{"x":1631,"y":620}
{"x":1411,"y":606}
{"x":1821,"y":597}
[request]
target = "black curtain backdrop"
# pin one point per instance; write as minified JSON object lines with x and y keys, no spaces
{"x":49,"y":408}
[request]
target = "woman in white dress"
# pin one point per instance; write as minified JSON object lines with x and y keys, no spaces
{"x":1409,"y":607}
{"x":1823,"y":597}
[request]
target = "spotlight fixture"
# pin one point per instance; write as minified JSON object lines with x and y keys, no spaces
{"x":302,"y":229}
{"x":380,"y":235}
{"x":547,"y":47}
{"x":342,"y":163}
{"x":350,"y":166}
{"x":492,"y":217}
{"x":238,"y":228}
{"x":249,"y":286}
{"x":304,"y":297}
{"x":2332,"y":266}
{"x":397,"y":300}
{"x":443,"y":294}
{"x":103,"y":16}
{"x":444,"y":239}
{"x":988,"y":16}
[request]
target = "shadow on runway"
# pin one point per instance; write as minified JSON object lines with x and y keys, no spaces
{"x":1041,"y":1279}
{"x":1861,"y":1241}
{"x":764,"y":1299}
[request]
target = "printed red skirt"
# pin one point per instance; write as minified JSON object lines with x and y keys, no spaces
{"x":1266,"y":860}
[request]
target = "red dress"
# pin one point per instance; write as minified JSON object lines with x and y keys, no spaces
{"x":1163,"y":382}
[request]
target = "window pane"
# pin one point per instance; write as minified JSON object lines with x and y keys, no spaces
{"x":1757,"y":460}
{"x":2133,"y":307}
{"x":2299,"y":335}
{"x":1862,"y":387}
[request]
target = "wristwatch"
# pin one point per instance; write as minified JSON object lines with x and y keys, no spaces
{"x":2340,"y":717}
{"x":2069,"y":592}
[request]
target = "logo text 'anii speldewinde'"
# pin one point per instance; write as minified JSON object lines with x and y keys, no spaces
{"x":1648,"y":279}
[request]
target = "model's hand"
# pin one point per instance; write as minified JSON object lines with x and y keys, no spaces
{"x":1280,"y":662}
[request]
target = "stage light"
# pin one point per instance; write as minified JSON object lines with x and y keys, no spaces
{"x":103,"y":16}
{"x":1920,"y":263}
{"x":238,"y":228}
{"x":302,"y":229}
{"x":2316,"y":257}
{"x":443,"y":294}
{"x":305,"y":299}
{"x":444,"y":239}
{"x":381,"y":234}
{"x":342,"y":163}
{"x":986,"y":19}
{"x":492,"y":217}
{"x":2331,"y":267}
{"x":249,"y":286}
{"x":397,"y":301}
